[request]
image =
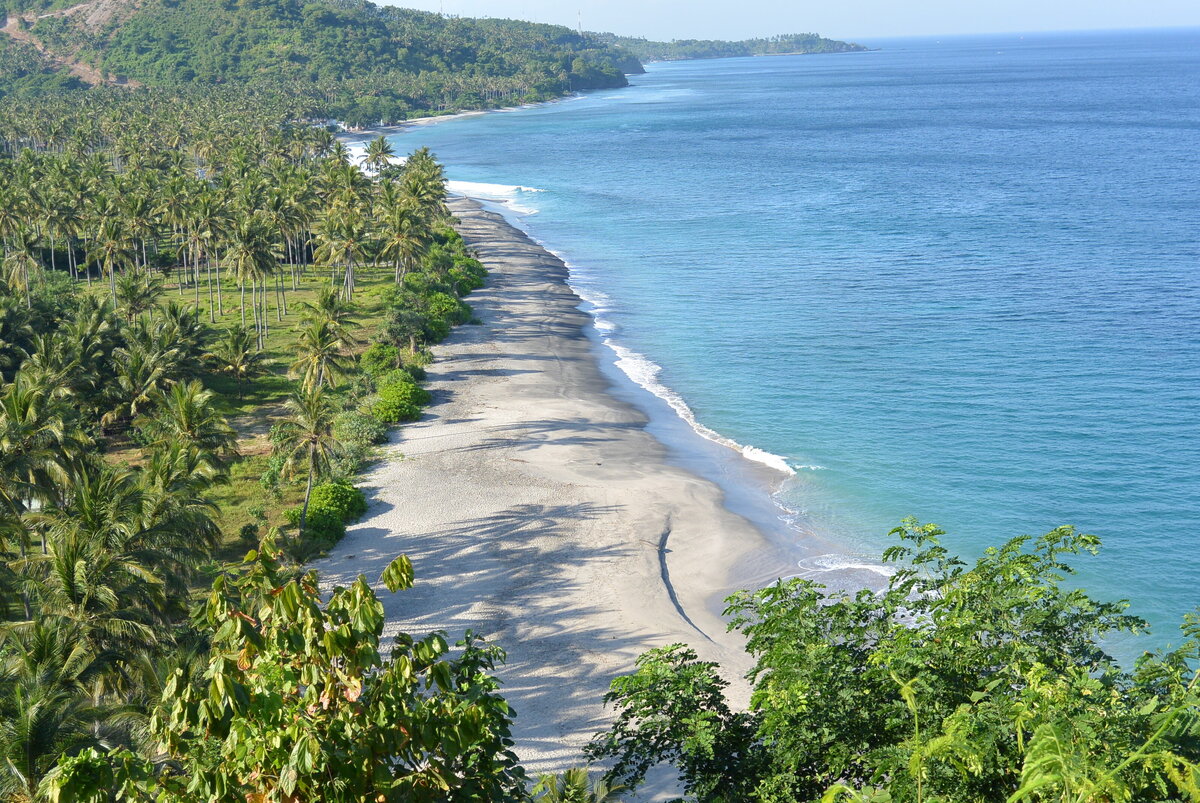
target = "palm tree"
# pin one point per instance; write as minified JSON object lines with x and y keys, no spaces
{"x":319,"y":355}
{"x":16,"y":335}
{"x":41,"y":723}
{"x":184,"y":415}
{"x":207,"y":225}
{"x":308,"y":443}
{"x":252,"y":254}
{"x":111,"y":248}
{"x":21,"y":263}
{"x":177,"y":525}
{"x":36,"y":443}
{"x":334,"y":310}
{"x":236,"y":355}
{"x":572,"y":787}
{"x":137,"y":293}
{"x":406,"y":238}
{"x":139,"y":374}
{"x":341,"y":241}
{"x":379,"y":154}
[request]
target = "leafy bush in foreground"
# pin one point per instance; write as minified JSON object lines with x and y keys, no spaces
{"x":956,"y":683}
{"x":299,"y":704}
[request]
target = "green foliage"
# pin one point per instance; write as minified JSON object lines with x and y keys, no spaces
{"x":572,"y":787}
{"x":379,"y":358}
{"x":957,"y":682}
{"x":450,"y":309}
{"x":298,"y":703}
{"x":322,"y":528}
{"x":340,"y":498}
{"x":353,"y":61}
{"x":673,"y":710}
{"x":398,"y":398}
{"x":393,"y":406}
{"x":359,"y":429}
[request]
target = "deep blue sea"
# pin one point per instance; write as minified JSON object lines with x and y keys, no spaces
{"x":954,"y":278}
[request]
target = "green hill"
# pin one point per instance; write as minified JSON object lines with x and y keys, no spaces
{"x":357,"y":61}
{"x":681,"y":49}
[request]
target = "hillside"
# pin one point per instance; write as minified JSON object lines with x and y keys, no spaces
{"x":357,"y":61}
{"x":680,"y":49}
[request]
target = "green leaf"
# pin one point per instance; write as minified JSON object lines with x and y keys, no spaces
{"x":398,"y":574}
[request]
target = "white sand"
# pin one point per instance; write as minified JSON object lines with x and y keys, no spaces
{"x":538,"y":512}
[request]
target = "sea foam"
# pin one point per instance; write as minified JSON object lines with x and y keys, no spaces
{"x":639,"y":368}
{"x":510,"y":195}
{"x":646,"y":373}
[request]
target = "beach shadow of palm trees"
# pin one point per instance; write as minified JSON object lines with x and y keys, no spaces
{"x":506,"y":576}
{"x":530,"y":435}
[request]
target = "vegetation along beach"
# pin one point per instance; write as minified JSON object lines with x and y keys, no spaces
{"x":358,"y":443}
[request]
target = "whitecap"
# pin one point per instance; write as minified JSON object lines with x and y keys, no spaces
{"x":509,"y":195}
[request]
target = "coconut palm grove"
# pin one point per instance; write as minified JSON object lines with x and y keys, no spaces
{"x":211,"y":319}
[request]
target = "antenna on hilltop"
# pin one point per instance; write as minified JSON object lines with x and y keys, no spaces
{"x":581,"y":22}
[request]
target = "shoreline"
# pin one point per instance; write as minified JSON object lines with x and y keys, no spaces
{"x":368,"y":134}
{"x":750,"y":478}
{"x":539,"y":510}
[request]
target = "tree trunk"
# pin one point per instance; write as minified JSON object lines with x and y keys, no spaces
{"x":312,"y":468}
{"x":208,"y":265}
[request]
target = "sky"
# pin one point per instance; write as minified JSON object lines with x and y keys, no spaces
{"x":840,"y":19}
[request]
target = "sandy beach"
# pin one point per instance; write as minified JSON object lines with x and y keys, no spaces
{"x":539,"y":512}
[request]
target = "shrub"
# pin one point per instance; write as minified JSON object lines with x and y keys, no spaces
{"x":269,"y":479}
{"x":359,"y":429}
{"x":437,"y":329}
{"x":399,"y":399}
{"x":323,"y":526}
{"x":448,"y":308}
{"x":379,"y":358}
{"x":340,"y":498}
{"x":391,"y":409}
{"x":401,"y":378}
{"x":349,"y":462}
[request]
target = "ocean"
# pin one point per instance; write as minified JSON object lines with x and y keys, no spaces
{"x":952,"y":278}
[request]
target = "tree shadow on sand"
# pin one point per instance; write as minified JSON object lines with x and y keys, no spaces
{"x":506,"y":576}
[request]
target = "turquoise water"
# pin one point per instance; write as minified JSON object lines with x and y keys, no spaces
{"x":956,"y":279}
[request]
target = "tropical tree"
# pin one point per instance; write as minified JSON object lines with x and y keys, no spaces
{"x":406,"y":238}
{"x":137,"y":293}
{"x":21,"y":264}
{"x":572,"y":787}
{"x":236,"y":355}
{"x":252,"y":254}
{"x":184,"y":414}
{"x":308,"y":443}
{"x":38,"y":443}
{"x":329,"y":718}
{"x":957,"y":682}
{"x":378,"y":154}
{"x":329,"y":307}
{"x":319,"y":355}
{"x":341,"y":241}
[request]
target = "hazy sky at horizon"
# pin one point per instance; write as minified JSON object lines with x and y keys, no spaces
{"x":845,"y":19}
